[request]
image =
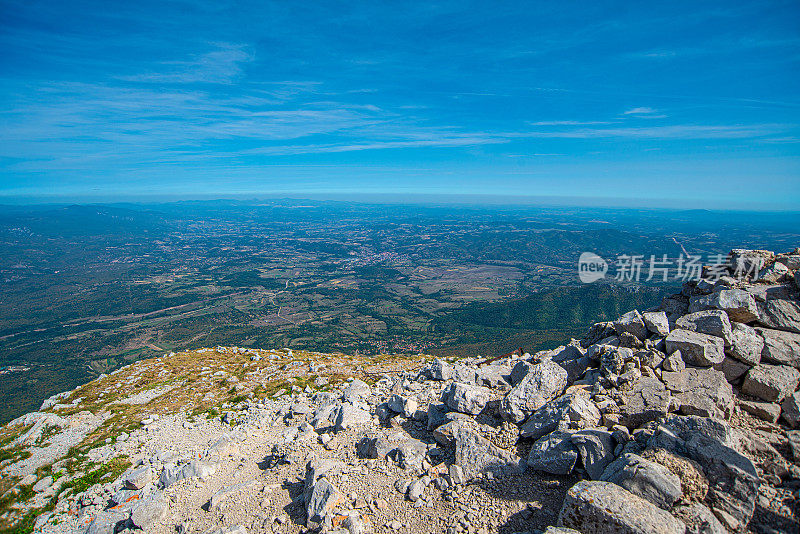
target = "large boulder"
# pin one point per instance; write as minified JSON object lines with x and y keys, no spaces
{"x":150,"y":511}
{"x":771,"y":383}
{"x":648,"y":401}
{"x":632,"y":323}
{"x":733,"y":479}
{"x":543,"y":382}
{"x":596,"y":507}
{"x":323,"y":498}
{"x":466,"y":398}
{"x":698,"y":349}
{"x":647,"y":479}
{"x":195,"y":468}
{"x":746,"y":344}
{"x":596,"y":447}
{"x":711,"y":322}
{"x":407,"y":451}
{"x":477,"y":455}
{"x":439,"y":370}
{"x":348,"y":416}
{"x":573,"y":359}
{"x":356,"y":390}
{"x":674,"y":306}
{"x":656,"y":322}
{"x":107,"y":522}
{"x":749,"y":262}
{"x":703,"y":392}
{"x":138,"y":478}
{"x":569,"y":411}
{"x":780,"y":314}
{"x":519,"y":371}
{"x":494,"y":376}
{"x":699,"y":519}
{"x":737,"y":303}
{"x":780,"y":347}
{"x":554,"y":454}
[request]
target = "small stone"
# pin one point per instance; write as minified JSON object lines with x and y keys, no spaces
{"x":415,"y":490}
{"x":674,"y":362}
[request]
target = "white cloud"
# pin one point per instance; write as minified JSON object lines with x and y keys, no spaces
{"x":640,"y":111}
{"x":223,"y":65}
{"x":567,"y":123}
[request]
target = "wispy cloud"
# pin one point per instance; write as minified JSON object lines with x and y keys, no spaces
{"x":224,"y":64}
{"x":678,"y":131}
{"x":639,"y":111}
{"x":567,"y":123}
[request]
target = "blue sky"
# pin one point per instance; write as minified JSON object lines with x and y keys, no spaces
{"x":693,"y":103}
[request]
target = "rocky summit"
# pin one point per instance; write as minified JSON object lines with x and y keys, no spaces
{"x":684,"y":418}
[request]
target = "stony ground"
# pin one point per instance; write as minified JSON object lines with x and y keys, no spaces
{"x":677,"y":419}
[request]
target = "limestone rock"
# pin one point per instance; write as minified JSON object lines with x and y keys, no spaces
{"x":477,"y":455}
{"x":466,"y":398}
{"x":138,"y":478}
{"x":570,"y":411}
{"x":703,"y":392}
{"x":596,"y":507}
{"x":699,"y":519}
{"x":519,"y":371}
{"x":323,"y":499}
{"x":774,"y":273}
{"x":711,"y":322}
{"x":791,"y":409}
{"x":772,"y":383}
{"x":348,"y":415}
{"x":596,"y":448}
{"x":648,"y":401}
{"x":746,"y":344}
{"x":632,"y":323}
{"x":440,"y":370}
{"x":543,"y":382}
{"x":767,"y":411}
{"x":733,"y":480}
{"x":199,"y":469}
{"x":644,"y":478}
{"x":737,"y":303}
{"x":554,"y":454}
{"x":149,"y":511}
{"x":780,"y":314}
{"x":780,"y":347}
{"x":106,"y":522}
{"x":749,"y":261}
{"x":674,"y":362}
{"x":696,"y":348}
{"x":656,"y":322}
{"x":357,"y":390}
{"x":732,"y":369}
